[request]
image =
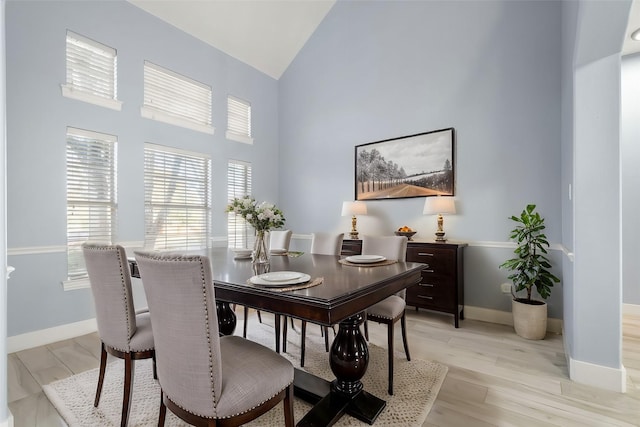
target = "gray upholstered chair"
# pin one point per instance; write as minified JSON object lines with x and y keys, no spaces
{"x":390,"y":309}
{"x":206,"y":379}
{"x":124,"y":333}
{"x":321,"y":244}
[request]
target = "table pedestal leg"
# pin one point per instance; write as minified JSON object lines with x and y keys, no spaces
{"x":348,"y":359}
{"x":226,"y":318}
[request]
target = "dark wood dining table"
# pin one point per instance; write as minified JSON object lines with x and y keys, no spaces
{"x":345,"y":293}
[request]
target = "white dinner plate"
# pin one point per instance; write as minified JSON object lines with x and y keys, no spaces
{"x":258,"y":280}
{"x":280,"y":276}
{"x":278,"y":251}
{"x":365,"y":259}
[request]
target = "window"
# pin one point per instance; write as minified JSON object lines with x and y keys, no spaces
{"x":176,"y":198}
{"x":92,"y":70}
{"x":239,"y":232}
{"x":175,"y":99}
{"x":238,"y":120}
{"x":91,"y":195}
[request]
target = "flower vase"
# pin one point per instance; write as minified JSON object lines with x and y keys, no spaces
{"x":260,"y":254}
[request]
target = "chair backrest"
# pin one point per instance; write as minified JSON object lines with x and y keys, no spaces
{"x":181,"y":301}
{"x":279,"y":239}
{"x":326,"y":243}
{"x":390,"y":247}
{"x":110,"y":279}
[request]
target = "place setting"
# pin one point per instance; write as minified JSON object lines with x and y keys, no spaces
{"x":366,"y":261}
{"x":281,"y":281}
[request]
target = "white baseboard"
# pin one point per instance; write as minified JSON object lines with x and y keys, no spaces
{"x":505,"y":318}
{"x":598,"y":376}
{"x":50,"y":335}
{"x":633,"y":309}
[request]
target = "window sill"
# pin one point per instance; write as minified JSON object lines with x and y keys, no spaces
{"x":160,"y":116}
{"x":239,"y":138}
{"x":69,"y":91}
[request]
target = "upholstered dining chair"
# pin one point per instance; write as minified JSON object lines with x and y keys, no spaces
{"x":390,"y":309}
{"x":205,"y":379}
{"x":321,"y":244}
{"x":123,"y":333}
{"x":279,"y":242}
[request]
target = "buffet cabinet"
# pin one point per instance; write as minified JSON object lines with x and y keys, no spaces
{"x":442,"y":285}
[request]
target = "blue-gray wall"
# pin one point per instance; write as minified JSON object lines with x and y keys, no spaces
{"x":377,"y":70}
{"x":630,"y":173}
{"x":37,"y":117}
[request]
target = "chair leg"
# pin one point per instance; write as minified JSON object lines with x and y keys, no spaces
{"x":403,"y":323}
{"x":288,"y":407}
{"x":103,"y":367}
{"x":246,"y":320}
{"x":326,"y":337}
{"x":293,"y":327}
{"x":277,"y":327}
{"x":259,"y":317}
{"x":284,"y":335}
{"x":129,"y":370}
{"x":155,"y":370}
{"x":390,"y":328}
{"x":303,"y":342}
{"x":163,"y":412}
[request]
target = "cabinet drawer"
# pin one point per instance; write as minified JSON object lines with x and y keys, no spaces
{"x":432,"y":294}
{"x":440,"y":262}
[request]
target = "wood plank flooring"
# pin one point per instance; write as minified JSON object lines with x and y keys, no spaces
{"x":495,"y":378}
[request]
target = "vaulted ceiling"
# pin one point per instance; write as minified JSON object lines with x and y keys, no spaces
{"x":268,"y":34}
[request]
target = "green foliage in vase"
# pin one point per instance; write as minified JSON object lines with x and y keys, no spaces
{"x":531,"y":266}
{"x":261,"y":216}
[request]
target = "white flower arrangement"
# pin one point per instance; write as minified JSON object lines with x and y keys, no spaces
{"x":262,"y":216}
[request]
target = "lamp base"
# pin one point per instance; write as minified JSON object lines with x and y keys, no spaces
{"x":354,"y":235}
{"x":440,"y":236}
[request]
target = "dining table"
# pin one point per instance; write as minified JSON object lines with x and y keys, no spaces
{"x":341,"y":293}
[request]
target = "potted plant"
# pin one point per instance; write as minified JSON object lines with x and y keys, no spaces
{"x":529,"y":269}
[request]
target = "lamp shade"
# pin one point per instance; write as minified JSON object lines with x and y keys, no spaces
{"x":354,"y":208}
{"x":439,"y":205}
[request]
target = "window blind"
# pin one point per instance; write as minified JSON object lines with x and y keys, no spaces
{"x":92,"y":71}
{"x":91,"y":194}
{"x":238,"y":120}
{"x":173,"y":98}
{"x":177,"y":198}
{"x":239,"y":232}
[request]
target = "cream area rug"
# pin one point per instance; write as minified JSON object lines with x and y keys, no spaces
{"x":416,"y":385}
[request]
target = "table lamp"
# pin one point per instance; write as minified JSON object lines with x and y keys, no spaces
{"x":353,"y":209}
{"x":437,"y":206}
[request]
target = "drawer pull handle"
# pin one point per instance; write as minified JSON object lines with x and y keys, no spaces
{"x":427,"y":285}
{"x":427,"y":271}
{"x":424,"y":254}
{"x":424,"y":297}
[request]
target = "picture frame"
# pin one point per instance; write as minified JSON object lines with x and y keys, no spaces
{"x":419,"y":165}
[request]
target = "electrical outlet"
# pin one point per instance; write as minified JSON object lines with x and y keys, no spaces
{"x":505,"y":288}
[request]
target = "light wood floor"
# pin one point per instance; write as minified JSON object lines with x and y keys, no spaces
{"x":495,"y":378}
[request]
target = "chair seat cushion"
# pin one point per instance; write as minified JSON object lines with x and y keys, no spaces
{"x":389,"y":308}
{"x":251,"y":375}
{"x":142,"y":340}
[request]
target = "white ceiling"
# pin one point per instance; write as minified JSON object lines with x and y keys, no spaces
{"x":268,"y":34}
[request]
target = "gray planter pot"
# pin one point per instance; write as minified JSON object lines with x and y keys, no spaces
{"x":530,"y":320}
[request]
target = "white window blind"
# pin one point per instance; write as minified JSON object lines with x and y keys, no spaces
{"x":175,"y":99}
{"x":238,"y":120}
{"x":91,"y":194}
{"x":239,"y":232}
{"x":176,"y":198}
{"x":92,"y":72}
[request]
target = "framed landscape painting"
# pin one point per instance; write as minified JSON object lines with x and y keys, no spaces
{"x":410,"y":166}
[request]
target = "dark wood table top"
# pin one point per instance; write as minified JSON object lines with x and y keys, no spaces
{"x":346,"y":290}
